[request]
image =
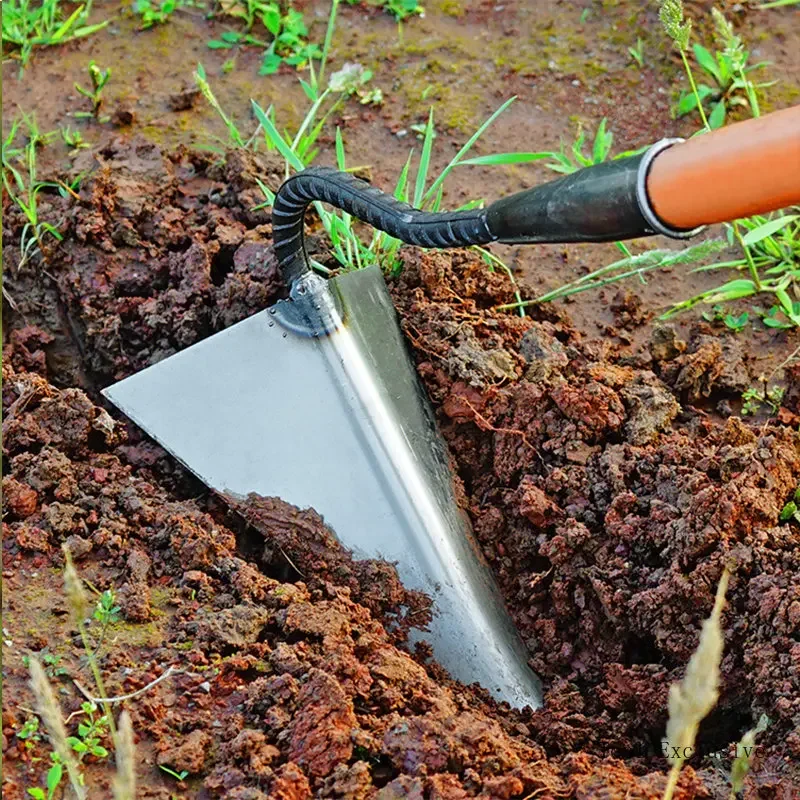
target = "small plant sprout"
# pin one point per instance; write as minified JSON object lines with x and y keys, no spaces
{"x":179,"y":776}
{"x":29,"y":732}
{"x":565,"y":161}
{"x":106,"y":612}
{"x":351,"y":80}
{"x":286,"y":34}
{"x":90,"y":732}
{"x":745,"y":749}
{"x":23,"y":188}
{"x":73,"y":139}
{"x":78,"y":607}
{"x":727,"y":68}
{"x":732,"y":322}
{"x":154,"y":12}
{"x":791,"y":511}
{"x":637,"y":53}
{"x":28,"y":24}
{"x":692,"y":698}
{"x":99,"y":78}
{"x":399,"y":9}
{"x":52,"y":780}
{"x":50,"y":713}
{"x":754,"y":398}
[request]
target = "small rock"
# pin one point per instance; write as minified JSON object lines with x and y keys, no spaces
{"x":233,"y":627}
{"x":19,"y":499}
{"x":123,"y":117}
{"x":651,"y":408}
{"x":138,"y":565}
{"x":664,"y":343}
{"x":134,"y":600}
{"x":188,"y":756}
{"x":544,"y":354}
{"x":536,"y":506}
{"x":63,"y":518}
{"x":33,"y":539}
{"x":78,"y":546}
{"x":184,"y":100}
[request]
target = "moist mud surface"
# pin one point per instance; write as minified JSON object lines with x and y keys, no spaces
{"x":608,"y":481}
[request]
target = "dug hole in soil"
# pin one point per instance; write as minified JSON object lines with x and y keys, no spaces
{"x":606,"y":499}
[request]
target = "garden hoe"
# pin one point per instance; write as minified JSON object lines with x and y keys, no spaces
{"x":316,"y":400}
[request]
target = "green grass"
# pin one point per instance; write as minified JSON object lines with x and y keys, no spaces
{"x":43,"y":23}
{"x":155,"y":12}
{"x":399,"y":9}
{"x":728,"y":74}
{"x":98,"y":78}
{"x":23,"y":187}
{"x":284,"y":38}
{"x":769,"y":245}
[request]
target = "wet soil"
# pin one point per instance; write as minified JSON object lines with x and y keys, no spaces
{"x":607,"y":479}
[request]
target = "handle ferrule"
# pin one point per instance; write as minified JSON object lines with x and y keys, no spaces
{"x":657,"y":225}
{"x":603,"y":203}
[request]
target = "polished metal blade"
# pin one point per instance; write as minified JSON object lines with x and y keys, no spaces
{"x":341,"y":424}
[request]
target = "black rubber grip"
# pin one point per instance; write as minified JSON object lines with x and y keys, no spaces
{"x":363,"y":201}
{"x":595,"y":204}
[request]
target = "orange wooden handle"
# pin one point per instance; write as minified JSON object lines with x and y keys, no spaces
{"x":747,"y":168}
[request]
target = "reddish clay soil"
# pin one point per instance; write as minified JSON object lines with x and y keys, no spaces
{"x":605,"y":499}
{"x":609,"y":481}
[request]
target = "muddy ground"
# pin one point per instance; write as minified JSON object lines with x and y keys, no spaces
{"x":607,"y":476}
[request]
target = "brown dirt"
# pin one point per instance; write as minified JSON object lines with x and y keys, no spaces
{"x":608,"y":481}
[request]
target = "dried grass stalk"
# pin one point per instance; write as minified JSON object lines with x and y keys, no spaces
{"x":125,"y":779}
{"x":73,"y":587}
{"x":79,"y":608}
{"x":50,"y":712}
{"x":692,"y":698}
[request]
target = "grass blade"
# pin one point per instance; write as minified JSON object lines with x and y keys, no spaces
{"x":424,"y":162}
{"x":505,"y":158}
{"x":466,"y":148}
{"x":275,"y":139}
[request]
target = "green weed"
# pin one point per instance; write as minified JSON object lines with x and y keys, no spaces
{"x":352,"y":81}
{"x":29,"y":732}
{"x":718,"y":315}
{"x":399,"y":9}
{"x":50,"y":662}
{"x":105,"y":613}
{"x":285,"y":26}
{"x":729,"y":73}
{"x":154,"y":12}
{"x":91,"y":731}
{"x":52,"y":780}
{"x":791,"y":511}
{"x":98,"y":79}
{"x":73,"y":139}
{"x":569,"y":159}
{"x":179,"y":776}
{"x":771,"y":252}
{"x":42,"y":23}
{"x":23,"y":187}
{"x":637,"y":53}
{"x":769,"y":245}
{"x":754,"y":398}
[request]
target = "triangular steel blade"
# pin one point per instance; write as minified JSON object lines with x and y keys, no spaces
{"x":341,"y":424}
